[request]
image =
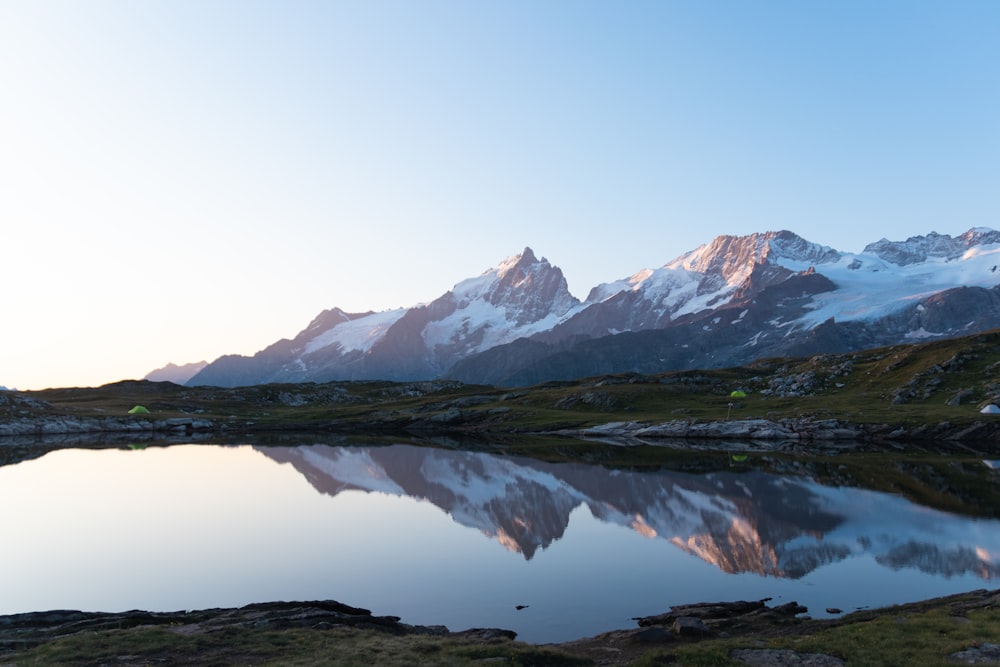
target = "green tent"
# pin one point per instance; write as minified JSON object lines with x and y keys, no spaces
{"x":738,"y":394}
{"x":138,"y":410}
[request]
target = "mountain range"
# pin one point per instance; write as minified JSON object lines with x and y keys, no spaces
{"x":726,"y":303}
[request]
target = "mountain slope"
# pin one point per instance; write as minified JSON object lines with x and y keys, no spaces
{"x":174,"y":373}
{"x":728,"y":302}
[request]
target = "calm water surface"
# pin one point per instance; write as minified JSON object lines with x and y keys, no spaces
{"x":460,"y":538}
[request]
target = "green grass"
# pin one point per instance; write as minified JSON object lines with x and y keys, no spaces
{"x":906,"y":639}
{"x":886,"y":640}
{"x":875,"y":638}
{"x":857,"y":387}
{"x":287,"y":648}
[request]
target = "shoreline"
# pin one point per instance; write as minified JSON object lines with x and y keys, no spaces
{"x":800,"y":430}
{"x":750,"y":623}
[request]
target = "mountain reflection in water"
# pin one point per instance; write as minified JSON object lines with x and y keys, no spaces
{"x":740,"y":522}
{"x":586,"y":548}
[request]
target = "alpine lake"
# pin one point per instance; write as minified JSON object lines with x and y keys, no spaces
{"x":555,"y":547}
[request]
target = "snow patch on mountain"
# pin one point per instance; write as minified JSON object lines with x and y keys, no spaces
{"x":665,"y":289}
{"x":493,"y":323}
{"x":357,"y":334}
{"x":921,"y":334}
{"x":878,"y":290}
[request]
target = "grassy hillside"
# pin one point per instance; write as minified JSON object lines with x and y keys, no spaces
{"x":905,"y":385}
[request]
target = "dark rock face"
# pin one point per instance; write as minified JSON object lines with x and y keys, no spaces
{"x":530,"y":288}
{"x":690,"y":626}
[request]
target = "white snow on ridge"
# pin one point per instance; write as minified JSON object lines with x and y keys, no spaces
{"x":671,"y":287}
{"x":698,"y":302}
{"x":666,"y":280}
{"x":877,"y":288}
{"x":359,"y":334}
{"x":605,"y":291}
{"x":472,"y":288}
{"x":498,"y":329}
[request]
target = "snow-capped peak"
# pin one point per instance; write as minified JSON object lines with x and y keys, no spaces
{"x":521,"y":296}
{"x":734,"y":257}
{"x":527,"y":257}
{"x":711,"y":274}
{"x":526,"y":287}
{"x":473,"y":288}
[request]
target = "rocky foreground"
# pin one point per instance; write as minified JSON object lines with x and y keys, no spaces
{"x":746,"y":633}
{"x":789,"y":430}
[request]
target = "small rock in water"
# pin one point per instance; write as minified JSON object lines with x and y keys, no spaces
{"x":834,"y":610}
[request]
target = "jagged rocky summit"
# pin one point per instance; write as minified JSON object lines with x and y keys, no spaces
{"x":729,"y":302}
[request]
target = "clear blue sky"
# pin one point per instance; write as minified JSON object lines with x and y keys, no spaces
{"x":182,"y":180}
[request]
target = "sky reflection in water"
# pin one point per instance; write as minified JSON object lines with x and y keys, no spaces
{"x":459,"y":538}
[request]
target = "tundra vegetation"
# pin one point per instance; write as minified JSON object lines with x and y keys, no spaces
{"x":905,"y":403}
{"x":910,"y":389}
